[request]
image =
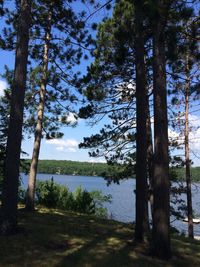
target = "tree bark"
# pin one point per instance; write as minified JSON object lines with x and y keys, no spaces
{"x":149,"y":158}
{"x":142,"y":223}
{"x":30,"y":198}
{"x":13,"y":149}
{"x":161,"y":220}
{"x":187,"y":153}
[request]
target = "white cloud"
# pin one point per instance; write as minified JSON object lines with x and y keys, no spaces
{"x":172,"y":134}
{"x":97,"y":160}
{"x":60,"y":148}
{"x":71,"y":118}
{"x":195,"y":140}
{"x":194,"y":120}
{"x":3,"y":86}
{"x":194,"y":135}
{"x":70,"y":145}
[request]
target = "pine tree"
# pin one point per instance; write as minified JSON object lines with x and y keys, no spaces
{"x":184,"y":76}
{"x":111,"y":92}
{"x":38,"y":130}
{"x":2,"y":11}
{"x":4,"y":112}
{"x":161,"y":234}
{"x":141,"y":128}
{"x":187,"y":151}
{"x":4,"y":122}
{"x":64,"y":43}
{"x":11,"y":179}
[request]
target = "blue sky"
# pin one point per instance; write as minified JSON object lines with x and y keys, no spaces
{"x":67,"y":147}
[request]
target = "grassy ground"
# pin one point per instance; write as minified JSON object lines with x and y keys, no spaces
{"x":52,"y":238}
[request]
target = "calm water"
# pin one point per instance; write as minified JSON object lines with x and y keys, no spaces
{"x":122,"y":207}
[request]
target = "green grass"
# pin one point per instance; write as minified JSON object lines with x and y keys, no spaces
{"x":54,"y":238}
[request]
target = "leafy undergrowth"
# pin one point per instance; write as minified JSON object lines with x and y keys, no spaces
{"x":54,"y":238}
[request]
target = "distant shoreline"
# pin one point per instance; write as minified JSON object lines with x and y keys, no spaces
{"x":79,"y":168}
{"x":77,"y":175}
{"x":75,"y":168}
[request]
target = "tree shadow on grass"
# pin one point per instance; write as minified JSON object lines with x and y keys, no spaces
{"x":54,"y":238}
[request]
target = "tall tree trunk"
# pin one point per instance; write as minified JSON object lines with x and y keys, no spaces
{"x":187,"y":153}
{"x":149,"y":157}
{"x":142,"y":224}
{"x":13,"y":149}
{"x":30,"y":199}
{"x":161,"y":185}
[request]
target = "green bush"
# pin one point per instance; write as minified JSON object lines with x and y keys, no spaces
{"x":53,"y":195}
{"x":83,"y":201}
{"x":21,"y":195}
{"x":99,"y":199}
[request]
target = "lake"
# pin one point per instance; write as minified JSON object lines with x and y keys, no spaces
{"x":122,"y":207}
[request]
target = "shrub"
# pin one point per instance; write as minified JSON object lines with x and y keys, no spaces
{"x":47,"y":193}
{"x":53,"y":195}
{"x":21,"y":195}
{"x":83,"y":201}
{"x":99,"y":199}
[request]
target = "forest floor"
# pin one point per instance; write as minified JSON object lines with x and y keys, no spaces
{"x":55,"y":238}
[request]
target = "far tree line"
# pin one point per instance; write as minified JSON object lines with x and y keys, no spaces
{"x":144,"y":51}
{"x":107,"y":171}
